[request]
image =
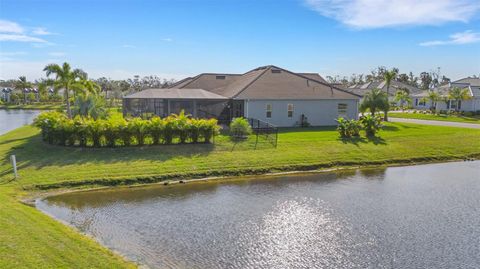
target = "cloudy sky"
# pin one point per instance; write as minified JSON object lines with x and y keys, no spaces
{"x":172,"y":39}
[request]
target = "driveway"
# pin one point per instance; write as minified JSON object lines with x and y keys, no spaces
{"x":437,"y":123}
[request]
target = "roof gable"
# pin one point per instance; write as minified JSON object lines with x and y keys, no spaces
{"x":278,"y":83}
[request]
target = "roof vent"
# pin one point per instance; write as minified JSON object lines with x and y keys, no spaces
{"x":220,"y":77}
{"x":276,"y":71}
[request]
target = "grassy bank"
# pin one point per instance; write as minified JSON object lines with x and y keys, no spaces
{"x":30,"y":239}
{"x":420,"y":116}
{"x":34,"y":106}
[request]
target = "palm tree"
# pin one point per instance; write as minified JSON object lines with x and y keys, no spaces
{"x":65,"y":78}
{"x":402,"y":96}
{"x":22,"y":84}
{"x":434,"y":97}
{"x":388,"y":76}
{"x":458,"y":94}
{"x":374,"y":100}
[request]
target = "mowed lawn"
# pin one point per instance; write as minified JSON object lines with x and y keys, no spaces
{"x":420,"y":116}
{"x":30,"y":239}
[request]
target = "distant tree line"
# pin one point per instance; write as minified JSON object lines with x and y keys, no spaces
{"x":425,"y":80}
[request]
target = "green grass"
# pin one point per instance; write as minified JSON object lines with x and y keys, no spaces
{"x":37,"y":106}
{"x":420,"y":116}
{"x":30,"y":239}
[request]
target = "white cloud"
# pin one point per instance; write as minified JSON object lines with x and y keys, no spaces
{"x":167,"y":39}
{"x":41,"y":31}
{"x":391,"y":13}
{"x":21,"y":38}
{"x":466,"y":37}
{"x":10,"y":27}
{"x":57,"y":54}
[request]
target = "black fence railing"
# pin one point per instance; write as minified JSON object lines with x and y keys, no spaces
{"x":264,"y":129}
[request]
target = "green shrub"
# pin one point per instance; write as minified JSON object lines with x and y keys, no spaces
{"x":239,"y":128}
{"x":56,"y":128}
{"x":371,"y":124}
{"x":348,"y":128}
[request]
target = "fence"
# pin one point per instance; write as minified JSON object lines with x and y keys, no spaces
{"x":261,"y":128}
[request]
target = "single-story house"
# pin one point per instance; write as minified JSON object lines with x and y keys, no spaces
{"x":269,"y":93}
{"x":420,"y":100}
{"x":362,"y":89}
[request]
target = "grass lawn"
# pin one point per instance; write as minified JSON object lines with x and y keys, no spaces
{"x":34,"y":106}
{"x":420,"y":116}
{"x":30,"y":239}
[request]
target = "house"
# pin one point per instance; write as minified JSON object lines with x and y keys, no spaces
{"x":269,"y":93}
{"x":420,"y":100}
{"x":362,"y":89}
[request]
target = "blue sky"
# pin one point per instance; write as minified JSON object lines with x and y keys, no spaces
{"x":172,"y":39}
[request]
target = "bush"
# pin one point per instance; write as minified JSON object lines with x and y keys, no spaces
{"x":56,"y":128}
{"x":371,"y":124}
{"x":240,"y":128}
{"x":348,"y":128}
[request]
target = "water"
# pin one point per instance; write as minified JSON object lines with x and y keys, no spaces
{"x":424,"y":216}
{"x":14,"y":118}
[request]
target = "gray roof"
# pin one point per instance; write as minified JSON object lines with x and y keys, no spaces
{"x":469,"y":81}
{"x":267,"y":82}
{"x":362,"y":89}
{"x":175,"y":93}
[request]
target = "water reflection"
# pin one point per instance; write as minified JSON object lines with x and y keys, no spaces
{"x":12,"y":119}
{"x":409,"y":217}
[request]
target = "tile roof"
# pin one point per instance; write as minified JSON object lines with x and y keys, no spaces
{"x":267,"y":82}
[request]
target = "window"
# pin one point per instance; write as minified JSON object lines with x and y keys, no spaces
{"x":290,"y":110}
{"x":342,"y":110}
{"x":422,"y":102}
{"x":220,"y":77}
{"x":276,"y":71}
{"x":269,"y":110}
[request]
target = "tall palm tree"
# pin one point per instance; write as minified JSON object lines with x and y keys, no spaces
{"x":402,"y":96}
{"x":458,"y":94}
{"x":434,"y":97}
{"x":388,"y":76}
{"x":374,"y":100}
{"x":65,"y":78}
{"x":22,"y":84}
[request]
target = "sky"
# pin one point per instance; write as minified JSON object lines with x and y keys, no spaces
{"x":173,"y":39}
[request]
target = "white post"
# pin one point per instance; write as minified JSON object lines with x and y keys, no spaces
{"x":14,"y":164}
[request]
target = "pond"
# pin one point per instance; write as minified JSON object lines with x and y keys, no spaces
{"x":11,"y":119}
{"x":425,"y":216}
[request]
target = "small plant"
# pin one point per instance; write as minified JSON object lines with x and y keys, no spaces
{"x":240,"y":128}
{"x":371,"y":124}
{"x":348,"y":128}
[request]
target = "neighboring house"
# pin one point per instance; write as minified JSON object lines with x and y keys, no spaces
{"x":6,"y":93}
{"x":362,"y":89}
{"x":420,"y":100}
{"x":271,"y":94}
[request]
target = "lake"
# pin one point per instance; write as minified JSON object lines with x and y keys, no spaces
{"x":425,"y":216}
{"x":11,"y":119}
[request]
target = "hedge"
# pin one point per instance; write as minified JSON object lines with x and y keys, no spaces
{"x":57,"y":129}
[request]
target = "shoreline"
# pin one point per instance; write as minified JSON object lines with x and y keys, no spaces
{"x":35,"y":194}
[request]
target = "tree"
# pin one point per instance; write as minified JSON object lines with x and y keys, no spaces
{"x":388,"y":76}
{"x":458,"y":95}
{"x":65,"y":78}
{"x":425,"y":80}
{"x":22,"y":84}
{"x":402,"y":96}
{"x":433,"y":97}
{"x":374,"y":100}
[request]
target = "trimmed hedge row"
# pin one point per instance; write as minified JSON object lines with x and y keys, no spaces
{"x":116,"y":131}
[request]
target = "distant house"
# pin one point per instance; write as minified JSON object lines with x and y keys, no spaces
{"x":269,"y":93}
{"x":420,"y":100}
{"x":362,"y":89}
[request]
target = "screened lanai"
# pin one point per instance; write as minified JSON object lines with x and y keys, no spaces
{"x":163,"y":102}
